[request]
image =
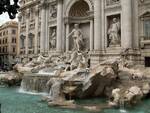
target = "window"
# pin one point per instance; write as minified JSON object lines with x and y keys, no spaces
{"x":13,"y":57}
{"x":147,"y":61}
{"x":5,"y":40}
{"x":14,"y":49}
{"x":31,"y":37}
{"x":12,"y":41}
{"x":14,"y":31}
{"x":3,"y":33}
{"x":3,"y":49}
{"x":147,"y":28}
{"x":22,"y":41}
{"x":6,"y":49}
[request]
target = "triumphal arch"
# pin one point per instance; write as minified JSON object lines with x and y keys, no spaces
{"x":103,"y":28}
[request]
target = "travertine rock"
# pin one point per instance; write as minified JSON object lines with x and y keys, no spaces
{"x":133,"y":95}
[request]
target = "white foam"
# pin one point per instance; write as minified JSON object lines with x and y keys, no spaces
{"x":20,"y":90}
{"x":123,"y":111}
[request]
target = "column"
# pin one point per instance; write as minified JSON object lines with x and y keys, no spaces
{"x":59,"y":25}
{"x":97,"y":25}
{"x":19,"y":31}
{"x":67,"y":39}
{"x":43,"y":28}
{"x":126,"y":23}
{"x":27,"y":31}
{"x":36,"y":30}
{"x":91,"y":35}
{"x":46,"y":30}
{"x":135,"y":24}
{"x":104,"y":42}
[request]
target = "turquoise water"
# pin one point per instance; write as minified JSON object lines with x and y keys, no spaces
{"x":14,"y":102}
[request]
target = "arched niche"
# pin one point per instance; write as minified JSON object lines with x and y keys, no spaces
{"x":78,"y":12}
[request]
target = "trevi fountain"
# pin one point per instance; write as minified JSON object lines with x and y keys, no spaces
{"x":92,"y":63}
{"x":68,"y":84}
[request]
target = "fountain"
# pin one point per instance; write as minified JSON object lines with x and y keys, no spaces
{"x":64,"y":79}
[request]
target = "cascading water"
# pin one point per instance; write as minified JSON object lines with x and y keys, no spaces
{"x":36,"y":82}
{"x":122,"y":106}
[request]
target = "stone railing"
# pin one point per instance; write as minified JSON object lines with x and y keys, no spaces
{"x":112,"y":2}
{"x":144,"y":38}
{"x":144,"y":41}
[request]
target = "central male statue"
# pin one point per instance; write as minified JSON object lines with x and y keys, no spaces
{"x":77,"y":37}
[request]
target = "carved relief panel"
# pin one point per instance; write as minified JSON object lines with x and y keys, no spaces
{"x":112,"y":2}
{"x":53,"y":11}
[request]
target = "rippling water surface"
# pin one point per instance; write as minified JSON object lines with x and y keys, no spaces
{"x":14,"y":102}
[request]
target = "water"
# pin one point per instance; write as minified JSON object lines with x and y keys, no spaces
{"x":14,"y":102}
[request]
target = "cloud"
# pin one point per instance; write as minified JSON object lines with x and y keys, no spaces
{"x":4,"y":18}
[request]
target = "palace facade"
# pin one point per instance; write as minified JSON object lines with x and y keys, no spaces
{"x":8,"y":44}
{"x":108,"y":27}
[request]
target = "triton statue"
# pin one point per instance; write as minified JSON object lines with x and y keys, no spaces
{"x":6,"y":6}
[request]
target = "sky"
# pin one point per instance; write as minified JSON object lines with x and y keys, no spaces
{"x":4,"y":17}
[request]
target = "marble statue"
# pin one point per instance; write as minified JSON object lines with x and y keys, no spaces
{"x":116,"y":94}
{"x":113,"y":32}
{"x":53,"y":39}
{"x":77,"y":36}
{"x":77,"y":61}
{"x":53,"y":11}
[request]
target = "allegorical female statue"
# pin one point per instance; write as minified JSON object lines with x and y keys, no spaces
{"x":77,"y":37}
{"x":113,"y":32}
{"x":53,"y":39}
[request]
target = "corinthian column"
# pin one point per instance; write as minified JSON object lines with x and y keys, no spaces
{"x":19,"y":31}
{"x":43,"y":27}
{"x":126,"y":23}
{"x":91,"y":34}
{"x":27,"y":31}
{"x":97,"y":25}
{"x":59,"y":25}
{"x":36,"y":30}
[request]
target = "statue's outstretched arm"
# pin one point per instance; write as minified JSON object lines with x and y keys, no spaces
{"x":70,"y":34}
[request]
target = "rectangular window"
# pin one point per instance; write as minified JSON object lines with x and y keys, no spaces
{"x":14,"y":49}
{"x":13,"y":31}
{"x":147,"y":61}
{"x":147,"y":29}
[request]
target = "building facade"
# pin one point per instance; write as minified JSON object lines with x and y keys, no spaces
{"x":108,"y":27}
{"x":8,"y":43}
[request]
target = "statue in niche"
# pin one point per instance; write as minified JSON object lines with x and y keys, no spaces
{"x":77,"y":36}
{"x":113,"y":32}
{"x":53,"y":39}
{"x":53,"y":11}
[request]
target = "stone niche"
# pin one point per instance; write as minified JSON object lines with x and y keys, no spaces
{"x":78,"y":14}
{"x":114,"y":30}
{"x":52,"y":38}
